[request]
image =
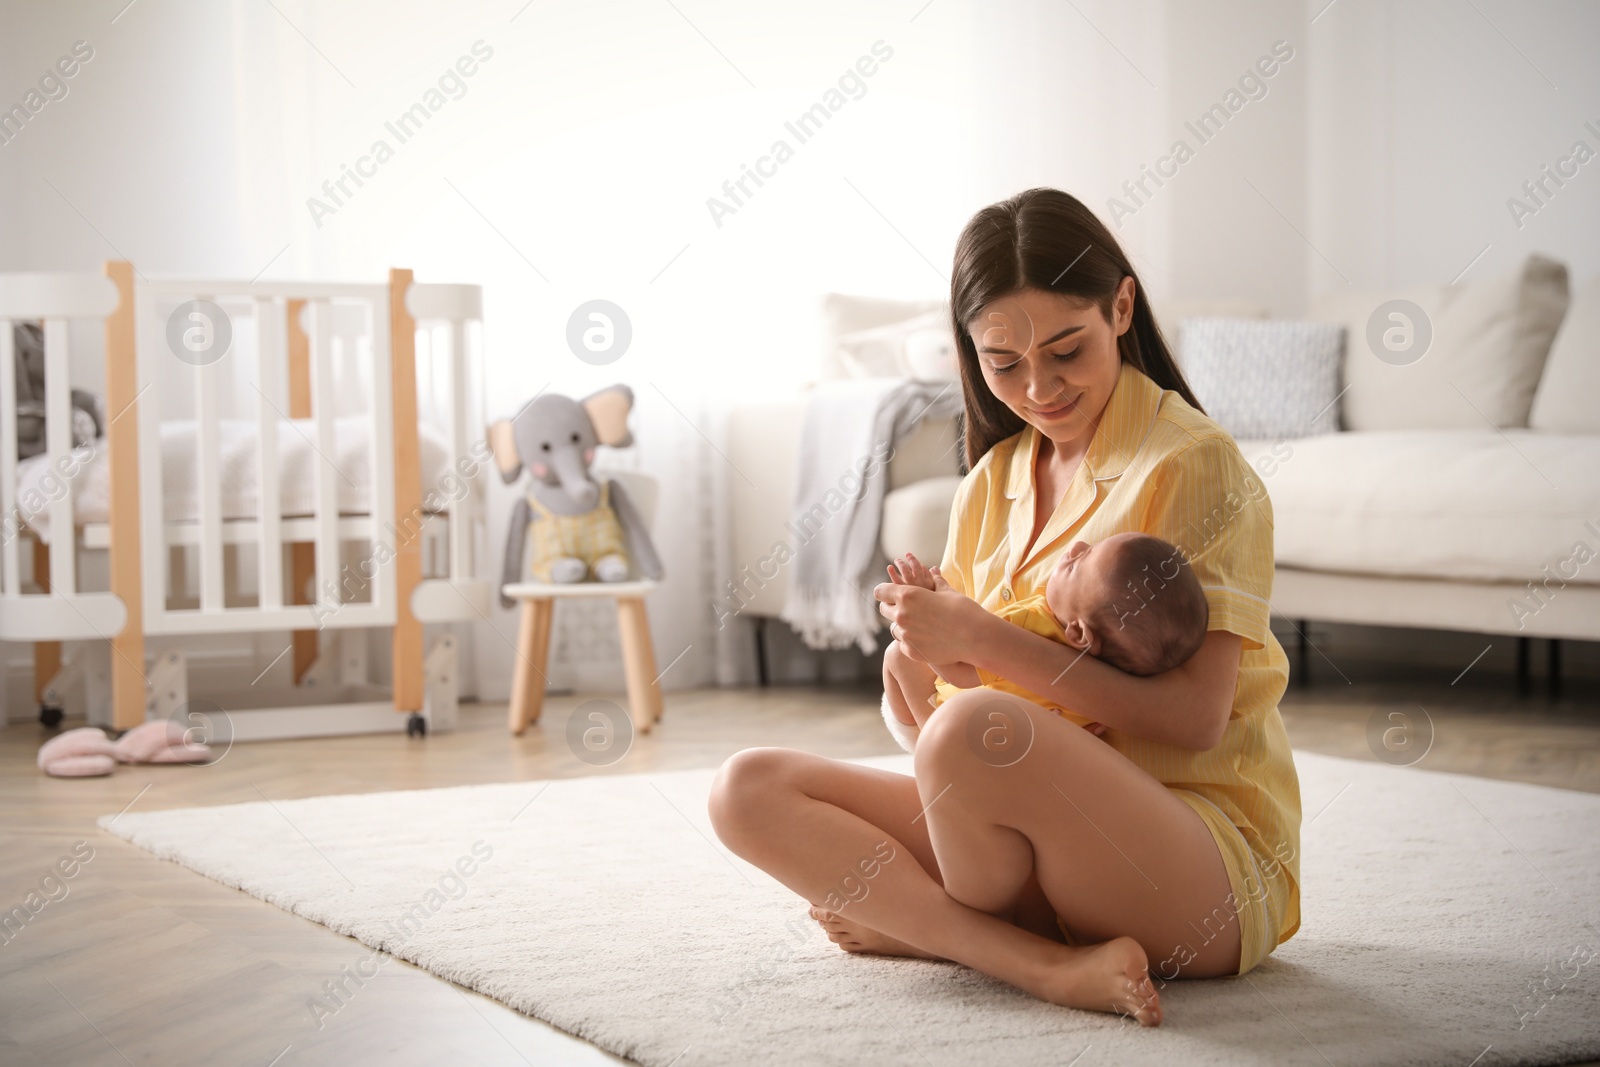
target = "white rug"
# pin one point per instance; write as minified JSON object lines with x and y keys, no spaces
{"x":1447,"y":920}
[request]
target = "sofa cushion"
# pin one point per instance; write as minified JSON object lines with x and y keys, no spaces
{"x":919,"y":348}
{"x":1172,"y":311}
{"x":1459,"y":357}
{"x":1264,"y":379}
{"x":1444,"y":504}
{"x":916,"y":518}
{"x":844,"y":315}
{"x":1568,"y":400}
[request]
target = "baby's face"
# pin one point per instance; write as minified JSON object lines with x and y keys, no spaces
{"x":1084,"y":575}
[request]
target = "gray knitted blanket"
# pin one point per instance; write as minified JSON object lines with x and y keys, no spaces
{"x":848,"y":437}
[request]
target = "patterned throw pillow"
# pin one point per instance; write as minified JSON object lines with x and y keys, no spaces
{"x":1264,"y":378}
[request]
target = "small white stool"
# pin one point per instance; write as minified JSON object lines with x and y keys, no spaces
{"x":533,"y":647}
{"x":638,"y":652}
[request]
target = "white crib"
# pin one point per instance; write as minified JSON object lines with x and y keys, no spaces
{"x":314,"y":402}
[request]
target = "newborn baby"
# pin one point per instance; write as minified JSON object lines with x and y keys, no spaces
{"x":1130,"y":600}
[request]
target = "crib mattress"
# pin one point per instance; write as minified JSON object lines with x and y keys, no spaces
{"x":239,"y":474}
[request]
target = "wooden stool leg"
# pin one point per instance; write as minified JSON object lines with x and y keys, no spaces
{"x":545,"y":617}
{"x":528,"y":670}
{"x":522,"y":666}
{"x":639,"y":663}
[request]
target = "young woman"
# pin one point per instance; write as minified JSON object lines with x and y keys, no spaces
{"x":1071,"y":865}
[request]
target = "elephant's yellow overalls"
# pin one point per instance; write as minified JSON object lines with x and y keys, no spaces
{"x":589,"y":537}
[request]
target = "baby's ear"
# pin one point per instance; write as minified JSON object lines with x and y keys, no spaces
{"x":1078,"y":634}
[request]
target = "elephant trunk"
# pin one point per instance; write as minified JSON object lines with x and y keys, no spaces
{"x":573,"y":475}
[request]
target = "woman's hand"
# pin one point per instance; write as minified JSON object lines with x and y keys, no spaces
{"x":934,"y":625}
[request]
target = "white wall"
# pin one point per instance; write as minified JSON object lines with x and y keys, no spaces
{"x":579,"y":162}
{"x":139,"y":157}
{"x":578,"y":165}
{"x":1384,"y":152}
{"x":1391,"y":142}
{"x":1425,"y":117}
{"x":1237,"y":205}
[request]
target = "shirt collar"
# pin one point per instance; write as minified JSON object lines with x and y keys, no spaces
{"x":1129,"y":415}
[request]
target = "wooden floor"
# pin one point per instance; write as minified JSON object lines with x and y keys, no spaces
{"x":144,"y":962}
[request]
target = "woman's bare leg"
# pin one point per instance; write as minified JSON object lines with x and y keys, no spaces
{"x":1022,"y":793}
{"x":789,"y":813}
{"x":1032,"y":912}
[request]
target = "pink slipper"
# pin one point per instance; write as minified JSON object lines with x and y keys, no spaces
{"x":159,"y":741}
{"x":82,"y":753}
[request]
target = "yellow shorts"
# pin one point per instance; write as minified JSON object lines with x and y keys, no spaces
{"x":1259,"y":900}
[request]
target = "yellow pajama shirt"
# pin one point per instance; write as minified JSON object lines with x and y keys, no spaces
{"x":1158,"y":466}
{"x":1033,"y":615}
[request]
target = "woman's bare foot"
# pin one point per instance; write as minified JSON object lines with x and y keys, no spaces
{"x":853,"y":937}
{"x":1112,"y":976}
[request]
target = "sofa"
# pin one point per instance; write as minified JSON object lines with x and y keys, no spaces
{"x":1452,"y":483}
{"x":1462,"y":490}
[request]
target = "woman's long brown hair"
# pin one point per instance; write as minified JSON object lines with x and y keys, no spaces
{"x":1044,"y":239}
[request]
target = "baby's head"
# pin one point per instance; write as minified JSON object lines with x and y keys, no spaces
{"x":1131,"y":600}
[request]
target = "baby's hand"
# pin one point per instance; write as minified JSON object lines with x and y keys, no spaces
{"x":908,"y":570}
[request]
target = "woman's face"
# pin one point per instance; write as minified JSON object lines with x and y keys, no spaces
{"x":1052,"y":359}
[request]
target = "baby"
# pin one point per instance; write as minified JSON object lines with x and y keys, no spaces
{"x":1130,"y":600}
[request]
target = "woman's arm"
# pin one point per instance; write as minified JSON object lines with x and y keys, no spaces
{"x":1188,"y":706}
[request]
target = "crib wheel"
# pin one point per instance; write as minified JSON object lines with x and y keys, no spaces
{"x":50,"y":716}
{"x":416,"y":726}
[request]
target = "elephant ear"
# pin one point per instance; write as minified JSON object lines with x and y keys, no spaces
{"x":504,"y":446}
{"x":608,"y":411}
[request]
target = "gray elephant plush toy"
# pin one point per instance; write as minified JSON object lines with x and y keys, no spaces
{"x":571,"y":526}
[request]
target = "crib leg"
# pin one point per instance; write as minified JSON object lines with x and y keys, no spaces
{"x":326,"y":670}
{"x":128,"y":694}
{"x":409,"y":671}
{"x":302,"y":571}
{"x":353,"y":657}
{"x":46,"y":654}
{"x":169,"y":684}
{"x":443,"y":702}
{"x":46,"y":663}
{"x":63,"y":693}
{"x":302,"y":554}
